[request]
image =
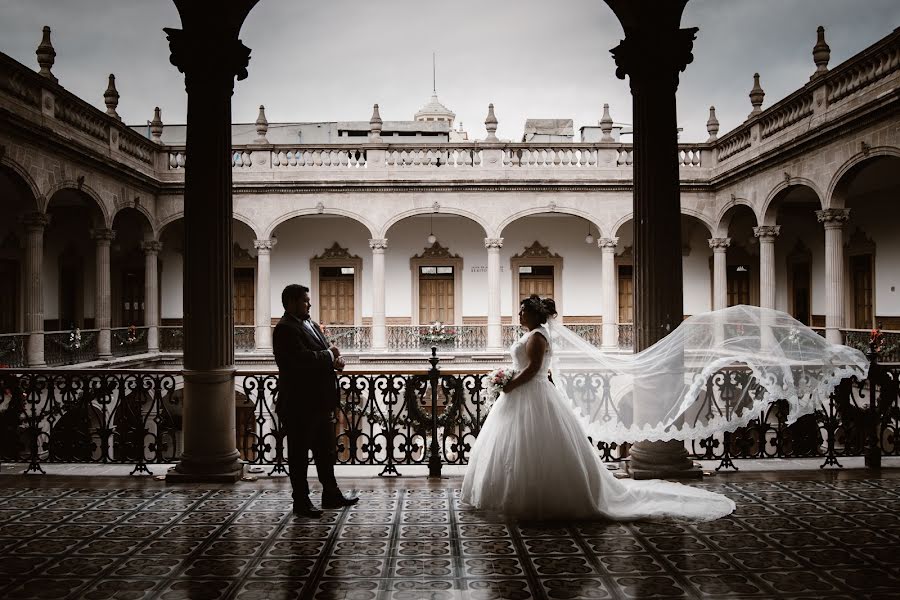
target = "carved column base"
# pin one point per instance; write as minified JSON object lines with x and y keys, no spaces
{"x":34,"y":350}
{"x":662,"y":460}
{"x":209,"y":454}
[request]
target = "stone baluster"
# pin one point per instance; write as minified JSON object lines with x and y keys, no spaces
{"x":655,"y":50}
{"x":208,"y":420}
{"x":494,"y":328}
{"x":720,"y":271}
{"x":35,"y":223}
{"x":834,"y":219}
{"x":767,"y":235}
{"x":263,"y":294}
{"x":151,"y":250}
{"x":379,"y":329}
{"x":103,"y":237}
{"x":609,"y":292}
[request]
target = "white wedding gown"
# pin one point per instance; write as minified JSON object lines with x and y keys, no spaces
{"x":533,"y":460}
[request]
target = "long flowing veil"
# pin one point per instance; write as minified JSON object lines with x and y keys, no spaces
{"x":715,"y":372}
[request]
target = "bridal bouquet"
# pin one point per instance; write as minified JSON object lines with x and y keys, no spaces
{"x":496,"y":379}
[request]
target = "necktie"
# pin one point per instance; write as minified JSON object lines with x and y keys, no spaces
{"x":315,"y":333}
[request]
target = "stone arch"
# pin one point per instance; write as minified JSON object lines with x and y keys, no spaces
{"x":538,"y":210}
{"x":303,"y":212}
{"x":833,"y":196}
{"x":139,"y":208}
{"x":767,"y":213}
{"x":726,"y":213}
{"x":236,"y":216}
{"x":25,"y":181}
{"x":686,"y":211}
{"x":84,"y":189}
{"x":426,"y":210}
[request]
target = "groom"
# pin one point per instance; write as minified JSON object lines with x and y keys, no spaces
{"x":307,"y":397}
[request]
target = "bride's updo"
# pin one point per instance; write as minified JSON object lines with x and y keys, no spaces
{"x":541,"y":308}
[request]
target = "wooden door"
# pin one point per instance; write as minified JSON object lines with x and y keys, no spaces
{"x":436,"y":295}
{"x":861,"y":276}
{"x":244,"y":292}
{"x":626,"y":294}
{"x":9,"y":299}
{"x":738,"y":284}
{"x":132,"y":298}
{"x":336,"y":296}
{"x":535,"y":280}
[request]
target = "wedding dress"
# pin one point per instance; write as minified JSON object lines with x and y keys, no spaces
{"x":533,"y":460}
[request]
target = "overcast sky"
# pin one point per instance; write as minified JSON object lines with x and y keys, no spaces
{"x":315,"y":60}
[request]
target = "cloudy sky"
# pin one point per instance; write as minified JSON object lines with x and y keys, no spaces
{"x":314,"y":60}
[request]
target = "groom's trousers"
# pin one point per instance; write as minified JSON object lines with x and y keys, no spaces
{"x":316,"y":433}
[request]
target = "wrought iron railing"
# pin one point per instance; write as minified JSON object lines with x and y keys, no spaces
{"x":12,"y":349}
{"x":626,"y":336}
{"x":171,"y":338}
{"x":398,"y":418}
{"x":244,"y":338}
{"x":127,"y":341}
{"x":349,"y":337}
{"x":510,"y":334}
{"x":444,"y":337}
{"x":70,"y":347}
{"x":589,"y":332}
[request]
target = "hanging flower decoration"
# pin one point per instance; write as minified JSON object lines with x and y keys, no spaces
{"x":437,"y":333}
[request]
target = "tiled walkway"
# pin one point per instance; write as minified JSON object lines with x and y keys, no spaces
{"x":810,"y":535}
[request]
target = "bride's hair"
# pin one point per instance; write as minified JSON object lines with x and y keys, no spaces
{"x":541,"y":308}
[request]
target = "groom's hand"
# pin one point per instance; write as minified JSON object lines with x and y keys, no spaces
{"x":335,"y":352}
{"x":339,"y":363}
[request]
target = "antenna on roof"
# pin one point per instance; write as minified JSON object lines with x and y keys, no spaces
{"x":433,"y":75}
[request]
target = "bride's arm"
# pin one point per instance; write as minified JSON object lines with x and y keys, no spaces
{"x":535,"y":347}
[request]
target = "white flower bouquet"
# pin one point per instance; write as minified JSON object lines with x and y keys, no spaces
{"x":496,"y":380}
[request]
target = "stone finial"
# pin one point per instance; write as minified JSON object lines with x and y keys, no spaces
{"x":606,"y":125}
{"x":821,"y":54}
{"x":490,"y":123}
{"x":756,"y":96}
{"x":156,"y":126}
{"x":111,"y":97}
{"x":262,"y":126}
{"x":46,"y":55}
{"x":712,"y":125}
{"x":375,"y":123}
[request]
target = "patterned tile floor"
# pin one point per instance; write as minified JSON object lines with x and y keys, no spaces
{"x":809,"y":536}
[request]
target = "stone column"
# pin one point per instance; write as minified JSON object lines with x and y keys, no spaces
{"x":834,"y":219}
{"x":609,"y":292}
{"x":34,"y":223}
{"x":720,"y":271}
{"x":264,"y":294}
{"x":767,"y":235}
{"x":379,"y":331}
{"x":494,"y":328}
{"x":102,"y":297}
{"x":207,"y":50}
{"x":654,"y":51}
{"x":151,"y":250}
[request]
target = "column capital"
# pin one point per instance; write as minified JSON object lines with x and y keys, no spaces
{"x":151,"y":247}
{"x":608,"y":244}
{"x":264,"y":246}
{"x":103,"y":235}
{"x":493,"y":243}
{"x":767,"y":232}
{"x":833,"y":217}
{"x":719,"y":244}
{"x":35,"y":220}
{"x":378,"y":244}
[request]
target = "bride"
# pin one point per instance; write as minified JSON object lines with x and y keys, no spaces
{"x":533,"y":459}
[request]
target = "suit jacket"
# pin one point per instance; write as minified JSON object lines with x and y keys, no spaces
{"x":307,"y":382}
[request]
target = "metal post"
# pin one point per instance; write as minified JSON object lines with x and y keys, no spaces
{"x":873,"y":448}
{"x":434,"y":452}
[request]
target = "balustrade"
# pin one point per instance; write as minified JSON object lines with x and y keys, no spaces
{"x":70,"y":347}
{"x":128,"y":340}
{"x":12,"y":349}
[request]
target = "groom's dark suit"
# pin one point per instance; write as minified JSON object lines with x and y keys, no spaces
{"x":307,"y":397}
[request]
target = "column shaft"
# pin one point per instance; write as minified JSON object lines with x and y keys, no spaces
{"x":767,"y":235}
{"x":833,"y":220}
{"x":263,"y":295}
{"x":379,"y":329}
{"x":494,"y":328}
{"x":609,"y":292}
{"x":102,"y":296}
{"x":720,"y":271}
{"x":35,"y":223}
{"x":151,"y":293}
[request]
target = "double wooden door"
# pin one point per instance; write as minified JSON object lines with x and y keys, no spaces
{"x":336,"y":296}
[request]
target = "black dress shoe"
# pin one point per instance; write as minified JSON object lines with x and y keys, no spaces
{"x":306,"y":509}
{"x":338,"y":501}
